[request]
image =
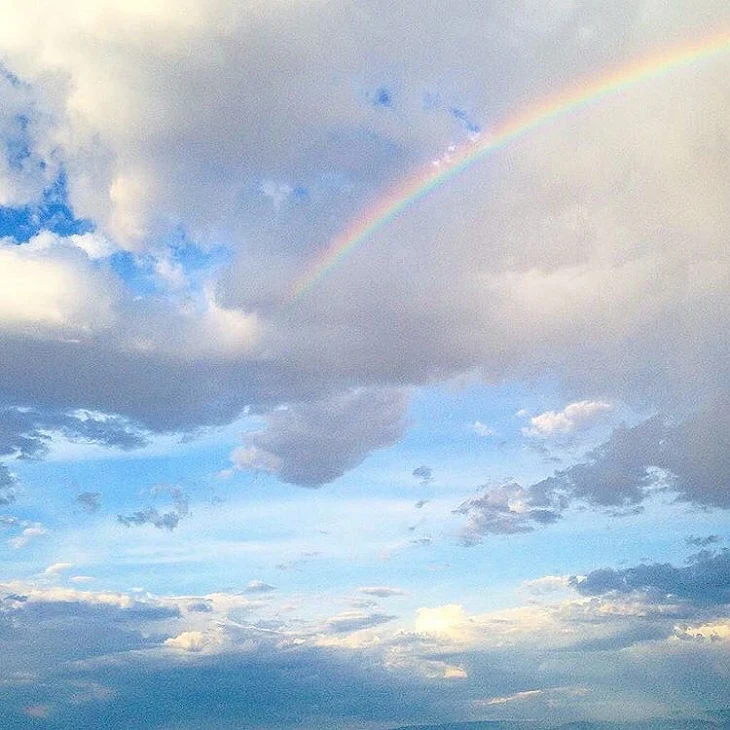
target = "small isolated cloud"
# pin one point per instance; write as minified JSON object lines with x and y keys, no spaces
{"x":57,"y":568}
{"x":381,"y":591}
{"x":424,"y":473}
{"x":89,"y":501}
{"x":152,"y":516}
{"x":527,"y":694}
{"x":258,"y":586}
{"x":28,"y":535}
{"x":38,"y":712}
{"x":502,"y":510}
{"x":481,"y":429}
{"x":349,"y":621}
{"x":574,"y":417}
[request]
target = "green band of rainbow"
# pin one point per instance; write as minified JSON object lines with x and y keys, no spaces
{"x":567,"y":101}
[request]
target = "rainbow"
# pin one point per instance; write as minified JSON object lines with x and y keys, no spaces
{"x":534,"y":117}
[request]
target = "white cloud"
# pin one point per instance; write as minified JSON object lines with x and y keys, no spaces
{"x":57,"y":568}
{"x":574,"y":417}
{"x":449,"y":621}
{"x":481,"y":429}
{"x":46,"y":288}
{"x":192,"y":641}
{"x":27,"y":536}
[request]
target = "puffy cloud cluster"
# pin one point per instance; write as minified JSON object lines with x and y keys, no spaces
{"x":689,"y":459}
{"x":200,"y":118}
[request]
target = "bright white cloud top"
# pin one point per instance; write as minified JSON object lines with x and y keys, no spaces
{"x":507,"y":405}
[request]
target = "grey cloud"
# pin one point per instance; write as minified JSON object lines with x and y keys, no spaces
{"x":502,"y":510}
{"x":381,"y":591}
{"x":424,"y":473}
{"x":702,"y":541}
{"x":8,"y":486}
{"x":696,"y":453}
{"x":304,"y":686}
{"x":689,"y":458}
{"x":355,"y":621}
{"x":510,"y":284}
{"x":151,"y":516}
{"x":705,"y":581}
{"x":90,"y":501}
{"x":25,"y":432}
{"x":200,"y":607}
{"x":313,"y":443}
{"x":258,"y":586}
{"x":60,"y":631}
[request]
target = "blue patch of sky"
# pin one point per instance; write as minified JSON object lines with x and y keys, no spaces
{"x":17,"y":148}
{"x":383,"y":97}
{"x":193,"y":258}
{"x":139,"y":275}
{"x":10,"y":77}
{"x":464,"y":118}
{"x":53,"y":213}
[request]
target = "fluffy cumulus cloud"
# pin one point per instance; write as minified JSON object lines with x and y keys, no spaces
{"x":579,"y":415}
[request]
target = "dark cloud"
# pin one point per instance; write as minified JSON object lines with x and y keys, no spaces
{"x":310,"y":444}
{"x":47,"y":633}
{"x":705,"y":581}
{"x":26,"y":432}
{"x":689,"y":458}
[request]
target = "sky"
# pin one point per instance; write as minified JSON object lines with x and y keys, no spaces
{"x":363,"y":364}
